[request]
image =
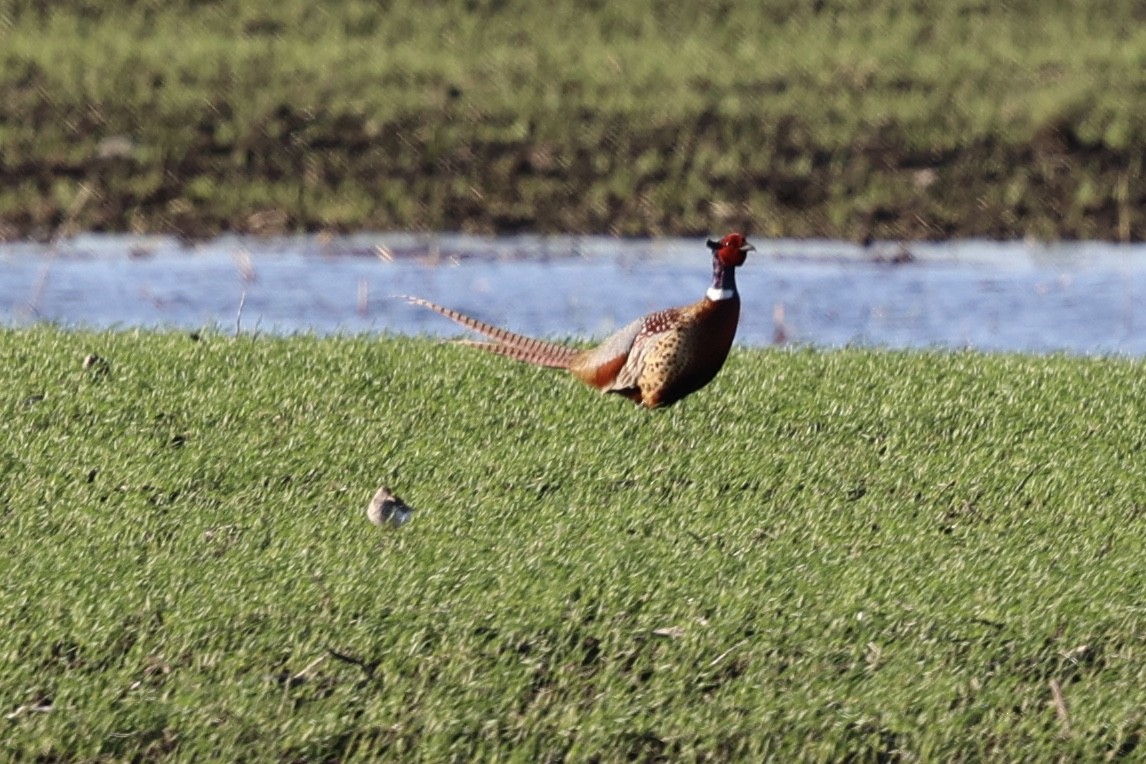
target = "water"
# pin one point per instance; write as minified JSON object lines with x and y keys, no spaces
{"x":1074,"y":297}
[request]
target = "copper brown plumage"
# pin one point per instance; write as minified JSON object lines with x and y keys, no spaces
{"x":654,"y":361}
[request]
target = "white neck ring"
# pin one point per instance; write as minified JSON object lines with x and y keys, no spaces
{"x":717,"y":295}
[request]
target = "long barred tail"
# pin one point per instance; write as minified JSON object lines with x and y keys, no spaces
{"x":506,"y":343}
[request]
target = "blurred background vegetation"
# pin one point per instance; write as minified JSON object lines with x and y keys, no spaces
{"x":843,"y":118}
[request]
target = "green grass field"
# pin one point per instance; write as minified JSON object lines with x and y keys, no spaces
{"x":841,"y":118}
{"x":852,"y":555}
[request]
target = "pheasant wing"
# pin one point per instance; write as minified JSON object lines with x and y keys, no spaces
{"x":616,"y":364}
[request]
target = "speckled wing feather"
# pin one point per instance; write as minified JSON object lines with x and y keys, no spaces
{"x":650,"y":331}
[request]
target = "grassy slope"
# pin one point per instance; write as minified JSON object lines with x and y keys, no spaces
{"x":838,"y":118}
{"x":855,"y":553}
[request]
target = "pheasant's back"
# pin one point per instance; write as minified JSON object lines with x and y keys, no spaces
{"x":659,"y":359}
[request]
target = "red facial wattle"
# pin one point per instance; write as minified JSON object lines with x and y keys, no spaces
{"x":733,"y":250}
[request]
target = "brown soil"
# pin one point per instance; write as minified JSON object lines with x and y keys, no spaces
{"x":335,"y":175}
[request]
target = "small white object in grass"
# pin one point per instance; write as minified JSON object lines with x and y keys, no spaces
{"x":387,"y":509}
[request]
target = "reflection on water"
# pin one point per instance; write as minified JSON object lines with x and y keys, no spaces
{"x":1083,"y":298}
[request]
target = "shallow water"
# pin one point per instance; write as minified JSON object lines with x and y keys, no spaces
{"x":1075,"y":297}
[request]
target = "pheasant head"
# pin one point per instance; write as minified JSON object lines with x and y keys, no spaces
{"x":727,"y":254}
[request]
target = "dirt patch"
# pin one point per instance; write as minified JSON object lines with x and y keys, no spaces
{"x":336,"y":172}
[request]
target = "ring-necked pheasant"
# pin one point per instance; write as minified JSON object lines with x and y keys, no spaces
{"x":654,"y":361}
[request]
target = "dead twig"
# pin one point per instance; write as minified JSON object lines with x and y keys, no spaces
{"x":36,"y":708}
{"x":726,"y":653}
{"x":1060,"y":705}
{"x":367,"y":667}
{"x":66,"y":229}
{"x":306,"y":671}
{"x":363,"y":297}
{"x":1023,"y":483}
{"x":68,"y":225}
{"x":239,"y":315}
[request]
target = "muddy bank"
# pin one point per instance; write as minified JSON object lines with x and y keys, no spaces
{"x":308,"y":172}
{"x":846,"y":120}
